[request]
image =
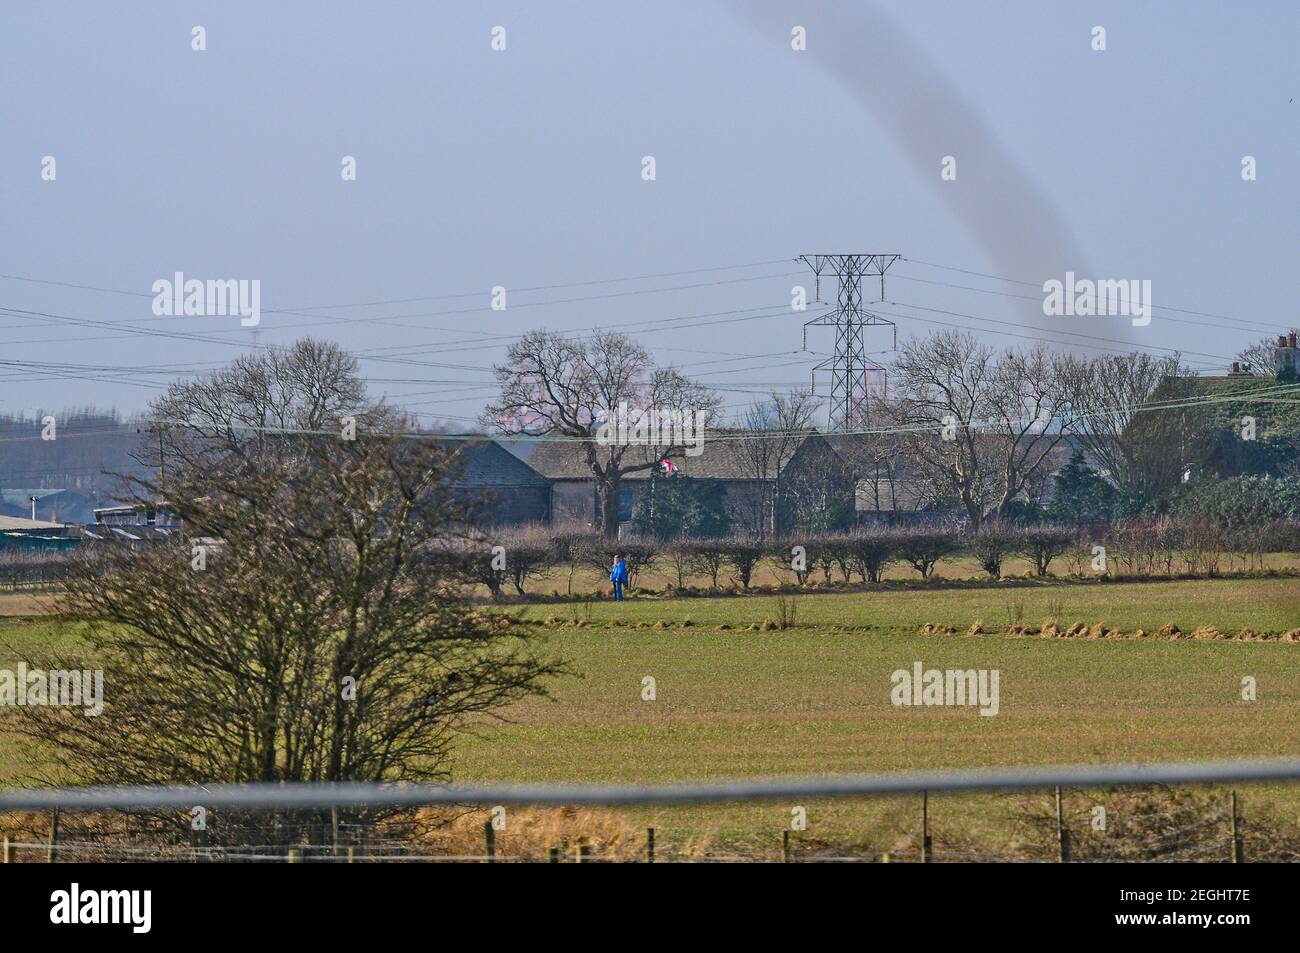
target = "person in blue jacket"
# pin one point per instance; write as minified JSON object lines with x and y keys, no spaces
{"x":618,"y":576}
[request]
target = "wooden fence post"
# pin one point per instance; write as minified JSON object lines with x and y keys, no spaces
{"x":584,"y":853}
{"x":51,"y":850}
{"x":785,"y":847}
{"x":1062,"y":835}
{"x":1236,"y":834}
{"x":489,"y":837}
{"x":334,"y":829}
{"x":926,"y":844}
{"x":8,"y":853}
{"x":555,"y":855}
{"x":295,"y":856}
{"x":352,"y":855}
{"x":650,"y":845}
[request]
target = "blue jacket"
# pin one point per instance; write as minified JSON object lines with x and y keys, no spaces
{"x":619,"y":572}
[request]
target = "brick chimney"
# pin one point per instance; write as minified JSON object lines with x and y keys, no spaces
{"x":1285,"y":356}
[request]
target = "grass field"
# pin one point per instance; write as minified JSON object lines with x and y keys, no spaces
{"x":815,"y":698}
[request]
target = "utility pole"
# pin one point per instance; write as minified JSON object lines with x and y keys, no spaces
{"x":853,"y":376}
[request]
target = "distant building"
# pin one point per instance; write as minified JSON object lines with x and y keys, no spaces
{"x":813,"y":476}
{"x":22,"y":533}
{"x":506,"y":490}
{"x":1286,"y":357}
{"x":889,"y":489}
{"x":132,"y":523}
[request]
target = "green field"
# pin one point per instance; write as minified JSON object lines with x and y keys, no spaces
{"x":815,"y":698}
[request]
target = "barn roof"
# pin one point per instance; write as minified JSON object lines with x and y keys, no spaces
{"x":22,"y":524}
{"x":723,"y":458}
{"x":484,"y":462}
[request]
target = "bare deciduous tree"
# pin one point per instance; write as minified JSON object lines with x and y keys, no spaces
{"x":1143,"y":447}
{"x":304,"y":626}
{"x":943,"y":387}
{"x":984,"y":425}
{"x":257,"y":403}
{"x":553,"y":385}
{"x":1034,"y":398}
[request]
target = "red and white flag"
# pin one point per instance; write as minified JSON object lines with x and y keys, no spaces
{"x":667,"y":466}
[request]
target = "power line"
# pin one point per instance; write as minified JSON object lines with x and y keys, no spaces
{"x":461,"y":294}
{"x":1180,"y":403}
{"x":1125,"y":344}
{"x":1038,"y":298}
{"x":1038,"y":285}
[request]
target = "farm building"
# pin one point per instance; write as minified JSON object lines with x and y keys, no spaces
{"x":759,"y":499}
{"x":507,"y":491}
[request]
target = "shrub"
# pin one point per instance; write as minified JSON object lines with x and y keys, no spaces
{"x":706,"y":557}
{"x":991,"y":545}
{"x":471,"y":562}
{"x":787,"y":608}
{"x":678,"y":555}
{"x":871,"y":551}
{"x":1137,"y":545}
{"x":821,"y":553}
{"x":641,"y":554}
{"x":923,"y":548}
{"x":782,"y":558}
{"x":1041,"y":544}
{"x":743,"y":555}
{"x":529,"y":552}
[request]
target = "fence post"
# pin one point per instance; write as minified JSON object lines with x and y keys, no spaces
{"x":294,"y":856}
{"x":1236,"y":834}
{"x":555,"y":855}
{"x":489,"y":836}
{"x":926,"y":844}
{"x":584,"y":853}
{"x":334,"y":829}
{"x":1062,"y":835}
{"x":650,"y":845}
{"x":352,"y":855}
{"x":785,"y":847}
{"x":8,"y":853}
{"x":884,"y":857}
{"x":50,"y":857}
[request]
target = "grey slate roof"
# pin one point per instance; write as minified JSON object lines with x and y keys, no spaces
{"x":722,"y":459}
{"x":484,"y":462}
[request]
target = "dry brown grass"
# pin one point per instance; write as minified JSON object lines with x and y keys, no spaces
{"x":530,"y":833}
{"x":26,"y":603}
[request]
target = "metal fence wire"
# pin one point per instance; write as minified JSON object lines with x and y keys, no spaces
{"x":1218,"y":837}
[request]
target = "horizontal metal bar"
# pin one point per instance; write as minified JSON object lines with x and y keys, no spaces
{"x":301,"y":795}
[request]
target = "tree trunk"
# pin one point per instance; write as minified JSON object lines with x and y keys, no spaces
{"x":974,"y":511}
{"x":608,"y":491}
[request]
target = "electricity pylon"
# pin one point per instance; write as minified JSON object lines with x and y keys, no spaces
{"x":853,"y":376}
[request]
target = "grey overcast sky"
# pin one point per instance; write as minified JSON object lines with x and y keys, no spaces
{"x":523,"y":168}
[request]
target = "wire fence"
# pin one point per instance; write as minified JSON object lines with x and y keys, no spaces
{"x":1182,"y":835}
